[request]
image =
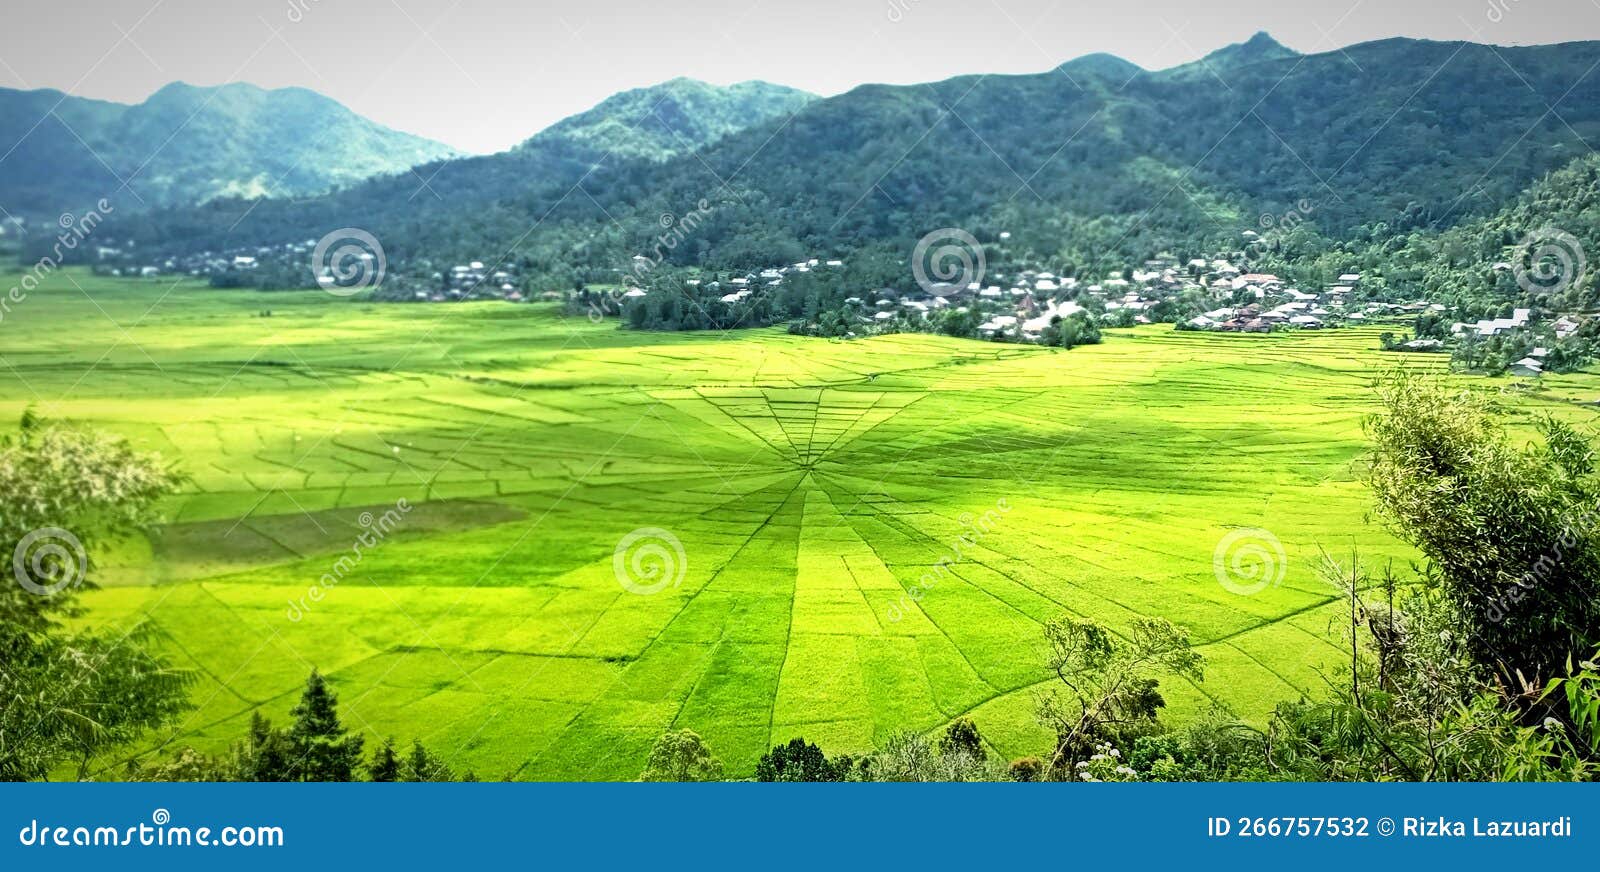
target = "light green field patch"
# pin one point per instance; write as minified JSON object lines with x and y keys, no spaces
{"x":852,"y":538}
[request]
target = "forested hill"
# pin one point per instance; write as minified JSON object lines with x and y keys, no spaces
{"x":473,"y":203}
{"x":1536,"y":250}
{"x":1091,"y":157}
{"x":668,"y":120}
{"x":186,"y":145}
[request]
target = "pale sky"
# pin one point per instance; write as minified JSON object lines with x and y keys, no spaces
{"x":482,"y":75}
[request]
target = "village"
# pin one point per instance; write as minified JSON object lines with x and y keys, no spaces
{"x":1201,"y":294}
{"x":1213,"y":293}
{"x":1218,"y":293}
{"x":284,"y":267}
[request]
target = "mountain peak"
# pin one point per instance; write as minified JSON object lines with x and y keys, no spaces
{"x":670,"y":118}
{"x":1103,"y":64}
{"x":1264,"y":41}
{"x":1260,"y":47}
{"x":180,"y":87}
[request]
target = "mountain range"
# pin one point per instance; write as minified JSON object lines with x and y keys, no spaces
{"x":186,"y":145}
{"x":1093,"y":158}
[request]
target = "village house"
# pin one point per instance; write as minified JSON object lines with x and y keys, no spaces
{"x":1527,"y":367}
{"x":1496,"y":326}
{"x":997,"y":324}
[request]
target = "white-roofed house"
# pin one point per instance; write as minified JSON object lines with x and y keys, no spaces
{"x":1527,"y":367}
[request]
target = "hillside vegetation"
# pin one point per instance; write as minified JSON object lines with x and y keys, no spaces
{"x":188,"y":144}
{"x":1096,"y":161}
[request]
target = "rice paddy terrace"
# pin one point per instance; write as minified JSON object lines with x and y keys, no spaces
{"x":607,"y":534}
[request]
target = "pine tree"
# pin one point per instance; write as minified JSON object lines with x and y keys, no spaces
{"x":323,"y":750}
{"x":266,"y":755}
{"x":385,"y":763}
{"x":422,"y":765}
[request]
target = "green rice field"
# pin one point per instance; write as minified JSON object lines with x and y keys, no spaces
{"x":780,"y":501}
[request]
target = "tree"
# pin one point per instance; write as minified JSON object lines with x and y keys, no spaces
{"x":911,"y":757}
{"x":131,"y":691}
{"x":1120,"y":318}
{"x":323,"y":750}
{"x":962,"y":737}
{"x":188,"y":765}
{"x":681,"y":755}
{"x":266,"y":754}
{"x":71,"y":694}
{"x":799,"y":760}
{"x":1079,"y":328}
{"x":422,"y":765}
{"x":1431,"y":325}
{"x":1511,"y":530}
{"x":962,"y":322}
{"x":385,"y":766}
{"x":1414,"y":708}
{"x":905,"y":757}
{"x":1027,"y":769}
{"x":1109,"y":689}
